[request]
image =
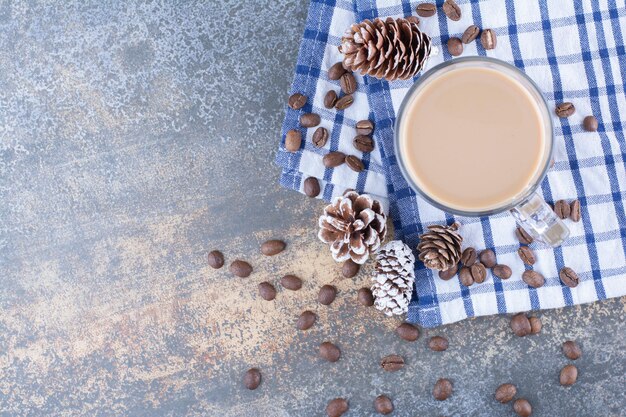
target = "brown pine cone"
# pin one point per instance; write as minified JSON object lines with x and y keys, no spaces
{"x":440,"y":247}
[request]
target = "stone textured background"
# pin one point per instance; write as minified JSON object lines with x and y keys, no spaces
{"x":134,"y":138}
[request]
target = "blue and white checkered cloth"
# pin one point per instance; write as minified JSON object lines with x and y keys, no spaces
{"x":574,"y":51}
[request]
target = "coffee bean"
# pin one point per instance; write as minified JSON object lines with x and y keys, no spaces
{"x":293,"y":139}
{"x":306,"y":320}
{"x":320,"y":137}
{"x":443,"y":389}
{"x":330,"y":99}
{"x":574,"y":211}
{"x":569,"y":277}
{"x":468,"y":257}
{"x":505,"y":393}
{"x":569,"y":375}
{"x":413,"y":19}
{"x":297,"y":101}
{"x":267,"y":291}
{"x":327,"y":294}
{"x":502,"y":271}
{"x":522,"y":407}
{"x":408,"y":332}
{"x":590,"y":123}
{"x":488,"y":258}
{"x":520,"y":325}
{"x":354,"y":163}
{"x":526,"y":255}
{"x":383,"y":405}
{"x":392,"y":363}
{"x":329,"y":352}
{"x":455,"y":46}
{"x":348,"y":83}
{"x":564,"y":109}
{"x":311,"y":187}
{"x":273,"y":247}
{"x":363,"y":143}
{"x":344,"y":102}
{"x":252,"y":378}
{"x":448,"y":273}
{"x":438,"y":343}
{"x":240,"y":268}
{"x":426,"y":9}
{"x":310,"y":119}
{"x":533,"y":278}
{"x":465,"y":276}
{"x":291,"y":282}
{"x":523,"y":236}
{"x":488,"y":39}
{"x":470,"y":34}
{"x":336,"y":407}
{"x":571,"y":350}
{"x":334,"y":159}
{"x":365,"y":297}
{"x":562,"y":209}
{"x":535,"y":325}
{"x":336,"y":71}
{"x":452,"y":10}
{"x":350,"y":268}
{"x":216,"y":259}
{"x":479,"y":273}
{"x":364,"y":127}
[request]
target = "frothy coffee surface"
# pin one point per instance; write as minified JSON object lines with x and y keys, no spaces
{"x":473,"y":139}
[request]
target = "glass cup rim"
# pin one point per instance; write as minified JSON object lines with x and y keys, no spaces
{"x":549,"y":127}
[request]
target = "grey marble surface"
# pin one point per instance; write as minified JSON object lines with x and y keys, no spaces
{"x":137,"y":136}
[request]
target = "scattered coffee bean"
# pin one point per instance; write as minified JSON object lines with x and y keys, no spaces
{"x":479,"y":272}
{"x":310,"y":119}
{"x":327,"y":294}
{"x":564,"y":109}
{"x":488,"y":39}
{"x":344,"y":102}
{"x":311,"y":187}
{"x":502,"y":271}
{"x":468,"y":257}
{"x":523,"y":236}
{"x":354,"y":163}
{"x":569,"y":375}
{"x":569,"y":277}
{"x":350,"y":268}
{"x":272,"y":247}
{"x":364,"y":127}
{"x":413,"y":19}
{"x":336,"y":71}
{"x":438,"y":343}
{"x":329,"y":352}
{"x":452,"y":10}
{"x":392,"y":363}
{"x":336,"y":407}
{"x":306,"y":320}
{"x":455,"y":46}
{"x":330,"y":99}
{"x":267,"y":291}
{"x":526,"y":255}
{"x":363,"y":143}
{"x":320,"y":137}
{"x":574,"y":211}
{"x":590,"y":123}
{"x":216,"y":259}
{"x":571,"y":350}
{"x":426,"y":9}
{"x":291,"y":282}
{"x":505,"y":393}
{"x":408,"y":332}
{"x":348,"y":83}
{"x":297,"y":101}
{"x":448,"y":273}
{"x":334,"y":159}
{"x":442,"y":389}
{"x":470,"y":34}
{"x":533,"y":278}
{"x":535,"y":325}
{"x":562,"y":209}
{"x":522,"y":407}
{"x":365,"y":297}
{"x":488,"y":258}
{"x":465,"y":276}
{"x":293,"y":139}
{"x":383,"y":405}
{"x":520,"y":325}
{"x":240,"y":268}
{"x":252,"y":378}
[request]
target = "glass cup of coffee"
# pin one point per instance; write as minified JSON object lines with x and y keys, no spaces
{"x":474,"y":138}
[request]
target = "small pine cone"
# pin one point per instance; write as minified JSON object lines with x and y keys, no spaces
{"x":391,"y":48}
{"x":354,"y":225}
{"x":395,"y":275}
{"x":440,"y":247}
